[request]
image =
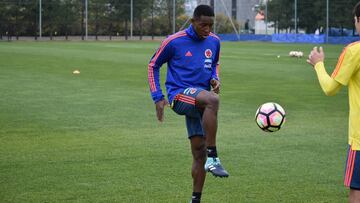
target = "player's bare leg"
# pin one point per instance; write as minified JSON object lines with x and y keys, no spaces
{"x":198,"y":149}
{"x":354,"y":196}
{"x":208,"y":102}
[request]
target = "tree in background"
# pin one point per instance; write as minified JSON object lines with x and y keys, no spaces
{"x":31,"y":17}
{"x":163,"y":12}
{"x":98,"y":17}
{"x":345,"y":19}
{"x":142,"y":10}
{"x":223,"y":24}
{"x":105,"y":17}
{"x":3,"y":19}
{"x":281,"y":12}
{"x":51,"y":16}
{"x":10,"y":14}
{"x":311,"y":14}
{"x":69,"y":18}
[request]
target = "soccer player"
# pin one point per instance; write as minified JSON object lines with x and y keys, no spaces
{"x":192,"y":85}
{"x":346,"y":73}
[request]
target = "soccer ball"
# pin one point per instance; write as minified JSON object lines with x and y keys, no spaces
{"x":270,"y":117}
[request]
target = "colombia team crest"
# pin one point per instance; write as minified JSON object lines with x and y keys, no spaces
{"x":208,"y":60}
{"x":208,"y":53}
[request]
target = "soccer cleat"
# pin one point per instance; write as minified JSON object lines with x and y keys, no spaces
{"x":213,"y":165}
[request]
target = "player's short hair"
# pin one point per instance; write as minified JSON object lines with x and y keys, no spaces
{"x":203,"y":10}
{"x":356,"y":11}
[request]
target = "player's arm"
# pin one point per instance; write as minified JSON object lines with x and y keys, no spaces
{"x":329,"y":85}
{"x":215,"y":80}
{"x":161,"y":56}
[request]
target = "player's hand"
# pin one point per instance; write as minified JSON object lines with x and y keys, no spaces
{"x":215,"y":84}
{"x":160,"y":105}
{"x":316,"y":56}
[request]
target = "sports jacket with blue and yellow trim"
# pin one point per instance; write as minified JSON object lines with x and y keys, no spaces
{"x":191,"y":62}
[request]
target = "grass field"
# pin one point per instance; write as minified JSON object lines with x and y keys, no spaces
{"x":94,"y":137}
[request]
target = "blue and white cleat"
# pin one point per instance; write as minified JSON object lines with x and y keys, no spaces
{"x":213,"y":165}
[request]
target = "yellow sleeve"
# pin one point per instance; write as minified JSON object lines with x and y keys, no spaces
{"x":329,"y":85}
{"x":347,"y":65}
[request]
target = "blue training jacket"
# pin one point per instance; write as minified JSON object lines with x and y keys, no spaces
{"x":191,"y":61}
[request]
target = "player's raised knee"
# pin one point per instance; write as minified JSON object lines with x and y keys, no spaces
{"x":213,"y":100}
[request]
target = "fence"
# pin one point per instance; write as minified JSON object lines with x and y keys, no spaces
{"x":147,"y":19}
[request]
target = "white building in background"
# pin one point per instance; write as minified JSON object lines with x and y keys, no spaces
{"x":261,"y":26}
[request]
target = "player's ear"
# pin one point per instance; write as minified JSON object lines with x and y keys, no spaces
{"x":192,"y":20}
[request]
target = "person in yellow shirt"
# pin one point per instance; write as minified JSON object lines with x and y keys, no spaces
{"x":346,"y":73}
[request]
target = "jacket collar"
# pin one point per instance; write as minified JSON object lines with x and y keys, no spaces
{"x":192,"y":34}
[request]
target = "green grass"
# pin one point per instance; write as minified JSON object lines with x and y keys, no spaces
{"x":94,"y":137}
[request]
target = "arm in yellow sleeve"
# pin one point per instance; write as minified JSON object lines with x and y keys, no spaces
{"x":328,"y":84}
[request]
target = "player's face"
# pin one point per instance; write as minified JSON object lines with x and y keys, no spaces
{"x":357,"y":24}
{"x":203,"y":25}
